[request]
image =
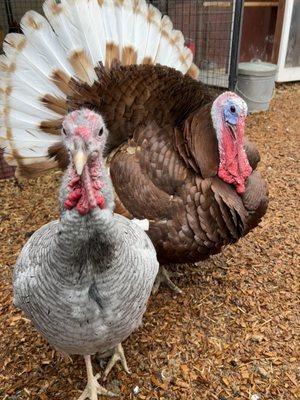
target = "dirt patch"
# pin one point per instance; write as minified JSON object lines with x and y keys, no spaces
{"x":233,"y":334}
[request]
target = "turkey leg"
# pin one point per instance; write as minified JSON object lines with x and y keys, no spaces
{"x":118,"y":355}
{"x":93,"y":388}
{"x":164,"y":276}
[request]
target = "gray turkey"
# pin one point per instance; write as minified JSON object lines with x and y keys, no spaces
{"x":176,"y":155}
{"x":85,"y":280}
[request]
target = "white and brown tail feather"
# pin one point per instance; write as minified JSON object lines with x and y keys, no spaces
{"x":75,"y":37}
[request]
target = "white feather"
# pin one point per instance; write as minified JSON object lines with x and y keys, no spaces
{"x":18,"y":119}
{"x":154,"y":33}
{"x":28,"y":150}
{"x":187,"y":54}
{"x":128,"y":24}
{"x":99,"y":35}
{"x":74,"y":25}
{"x":141,"y":30}
{"x":33,"y":137}
{"x":142,"y":223}
{"x":29,"y":159}
{"x":120,"y":21}
{"x":164,"y":49}
{"x":110,"y":22}
{"x":67,"y":32}
{"x":45,"y":41}
{"x":78,"y":12}
{"x":31,"y":106}
{"x":30,"y":144}
{"x":33,"y":73}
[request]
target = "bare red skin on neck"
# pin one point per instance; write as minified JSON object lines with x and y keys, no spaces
{"x":234,"y":166}
{"x":84,"y":192}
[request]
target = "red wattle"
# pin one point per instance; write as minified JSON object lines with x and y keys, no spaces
{"x":84,"y":193}
{"x":234,"y":166}
{"x":100,"y":201}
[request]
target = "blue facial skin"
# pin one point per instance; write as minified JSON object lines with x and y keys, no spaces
{"x":231,"y":113}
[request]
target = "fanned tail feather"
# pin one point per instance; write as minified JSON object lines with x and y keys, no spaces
{"x":69,"y":43}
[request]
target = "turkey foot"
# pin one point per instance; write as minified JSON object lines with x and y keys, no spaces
{"x":93,"y":388}
{"x":117,"y":356}
{"x":164,"y":276}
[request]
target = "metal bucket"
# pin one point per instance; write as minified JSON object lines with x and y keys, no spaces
{"x":256,"y":82}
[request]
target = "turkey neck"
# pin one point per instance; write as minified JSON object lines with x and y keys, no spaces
{"x":86,"y":224}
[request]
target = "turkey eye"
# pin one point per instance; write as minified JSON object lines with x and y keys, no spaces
{"x":100,"y":133}
{"x":232,"y":109}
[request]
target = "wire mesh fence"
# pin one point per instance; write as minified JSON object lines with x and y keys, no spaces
{"x":207,"y":27}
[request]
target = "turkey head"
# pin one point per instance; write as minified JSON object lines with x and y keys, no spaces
{"x":228,"y":115}
{"x":84,"y":136}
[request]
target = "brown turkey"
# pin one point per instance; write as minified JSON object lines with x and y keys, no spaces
{"x":176,"y":155}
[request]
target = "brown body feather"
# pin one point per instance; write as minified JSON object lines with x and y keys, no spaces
{"x":164,"y":160}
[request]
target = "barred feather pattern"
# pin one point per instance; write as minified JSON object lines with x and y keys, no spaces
{"x":84,"y":281}
{"x":70,"y":42}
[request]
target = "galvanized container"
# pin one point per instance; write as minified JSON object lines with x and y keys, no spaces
{"x":256,"y":82}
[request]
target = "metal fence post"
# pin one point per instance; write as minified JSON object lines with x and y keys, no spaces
{"x":236,"y":40}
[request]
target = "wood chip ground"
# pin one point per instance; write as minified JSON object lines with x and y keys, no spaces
{"x":233,"y":333}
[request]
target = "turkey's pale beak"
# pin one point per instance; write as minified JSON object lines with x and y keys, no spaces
{"x":80,"y":159}
{"x":232,"y":129}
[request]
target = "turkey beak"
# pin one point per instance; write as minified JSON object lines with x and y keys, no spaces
{"x":80,"y":159}
{"x":232,"y":129}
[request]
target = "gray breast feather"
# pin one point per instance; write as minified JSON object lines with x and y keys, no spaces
{"x":84,"y":307}
{"x":95,"y":295}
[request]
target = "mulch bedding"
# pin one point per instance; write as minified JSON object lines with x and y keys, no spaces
{"x":233,"y":334}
